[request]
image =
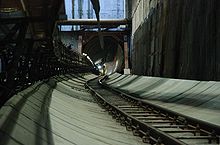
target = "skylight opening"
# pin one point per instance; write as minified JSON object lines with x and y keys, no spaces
{"x":83,"y":9}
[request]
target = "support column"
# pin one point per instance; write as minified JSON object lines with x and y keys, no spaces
{"x":80,"y":44}
{"x":126,"y":69}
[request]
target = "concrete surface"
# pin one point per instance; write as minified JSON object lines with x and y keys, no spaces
{"x":197,"y":99}
{"x":60,"y":111}
{"x":176,"y":39}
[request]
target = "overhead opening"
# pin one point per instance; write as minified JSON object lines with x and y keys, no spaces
{"x":83,"y":9}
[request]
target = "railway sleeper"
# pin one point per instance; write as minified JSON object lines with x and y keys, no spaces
{"x":151,"y":124}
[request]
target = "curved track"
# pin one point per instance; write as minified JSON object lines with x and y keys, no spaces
{"x":61,"y":111}
{"x":153,"y":123}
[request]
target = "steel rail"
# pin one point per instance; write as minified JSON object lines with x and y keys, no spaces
{"x":150,"y":133}
{"x":147,"y":132}
{"x":193,"y":121}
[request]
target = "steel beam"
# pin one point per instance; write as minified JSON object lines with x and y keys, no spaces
{"x":93,"y":22}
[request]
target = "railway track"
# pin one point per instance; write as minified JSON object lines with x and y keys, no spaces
{"x":153,"y":124}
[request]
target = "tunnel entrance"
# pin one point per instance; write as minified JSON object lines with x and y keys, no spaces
{"x":109,"y":59}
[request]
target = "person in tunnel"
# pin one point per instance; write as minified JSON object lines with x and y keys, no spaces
{"x":104,"y":68}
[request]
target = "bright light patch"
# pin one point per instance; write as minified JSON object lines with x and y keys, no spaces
{"x":84,"y":54}
{"x":99,"y":66}
{"x":83,"y":9}
{"x":68,"y":7}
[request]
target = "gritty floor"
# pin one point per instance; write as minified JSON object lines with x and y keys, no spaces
{"x":197,"y":99}
{"x":60,"y":112}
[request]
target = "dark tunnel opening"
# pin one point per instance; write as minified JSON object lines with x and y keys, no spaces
{"x":107,"y":60}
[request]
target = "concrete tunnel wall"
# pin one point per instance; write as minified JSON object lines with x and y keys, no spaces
{"x":112,"y":54}
{"x":178,"y":39}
